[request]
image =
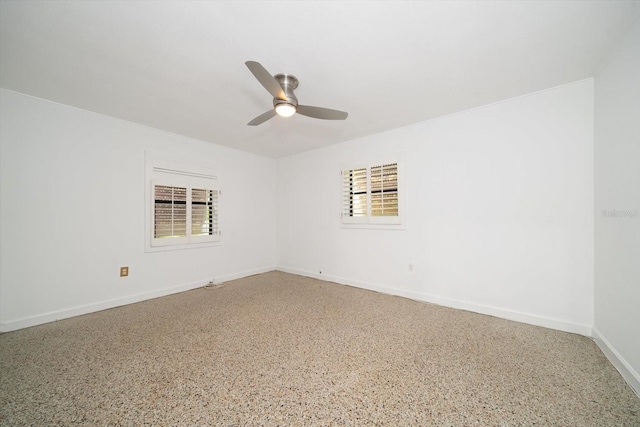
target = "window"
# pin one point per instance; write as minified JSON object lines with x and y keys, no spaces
{"x":370,"y":194}
{"x":184,"y":208}
{"x":170,"y":212}
{"x":184,"y":215}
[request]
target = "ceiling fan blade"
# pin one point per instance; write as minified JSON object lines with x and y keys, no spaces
{"x":262,"y":118}
{"x":266,"y":80}
{"x":321,"y":113}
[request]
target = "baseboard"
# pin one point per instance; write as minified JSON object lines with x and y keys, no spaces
{"x":52,"y":316}
{"x":235,"y":276}
{"x":628,"y":373}
{"x":517,"y":316}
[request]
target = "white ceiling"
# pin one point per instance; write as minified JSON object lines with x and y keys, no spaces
{"x":179,"y":66}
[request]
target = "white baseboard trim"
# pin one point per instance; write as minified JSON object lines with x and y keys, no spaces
{"x":547,"y":322}
{"x":628,"y":373}
{"x":52,"y":316}
{"x":235,"y":276}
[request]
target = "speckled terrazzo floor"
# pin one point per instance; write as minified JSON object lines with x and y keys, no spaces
{"x":278,"y":349}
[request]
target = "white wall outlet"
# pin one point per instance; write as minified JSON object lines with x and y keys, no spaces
{"x":411,"y":266}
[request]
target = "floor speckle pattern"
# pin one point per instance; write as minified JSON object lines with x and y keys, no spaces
{"x":282,"y":350}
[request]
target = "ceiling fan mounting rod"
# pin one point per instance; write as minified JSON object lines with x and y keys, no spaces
{"x":288,"y":83}
{"x":287,"y":79}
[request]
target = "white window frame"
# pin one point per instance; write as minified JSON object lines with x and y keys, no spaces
{"x":368,"y":220}
{"x":189,"y":175}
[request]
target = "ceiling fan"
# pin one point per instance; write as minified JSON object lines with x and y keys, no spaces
{"x":285,"y":103}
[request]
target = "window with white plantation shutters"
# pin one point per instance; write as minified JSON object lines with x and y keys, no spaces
{"x":370,"y":194}
{"x":184,"y":208}
{"x":184,"y":215}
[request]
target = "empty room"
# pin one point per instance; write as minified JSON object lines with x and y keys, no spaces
{"x":314,"y":213}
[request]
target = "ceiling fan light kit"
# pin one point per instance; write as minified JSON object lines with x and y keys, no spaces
{"x":285,"y":103}
{"x":285,"y":110}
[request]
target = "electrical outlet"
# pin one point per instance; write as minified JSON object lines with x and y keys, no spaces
{"x":124,"y":271}
{"x":410,"y":266}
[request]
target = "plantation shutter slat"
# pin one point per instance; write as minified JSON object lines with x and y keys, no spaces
{"x":215,"y":226}
{"x":170,"y":212}
{"x":384,"y":190}
{"x":201,"y":212}
{"x":204,"y":212}
{"x":354,"y":193}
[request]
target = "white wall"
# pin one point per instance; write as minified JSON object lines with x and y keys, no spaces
{"x":499,"y":211}
{"x":72,"y":212}
{"x":617,"y":207}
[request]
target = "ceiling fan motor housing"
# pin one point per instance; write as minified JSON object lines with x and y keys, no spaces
{"x":288,"y":84}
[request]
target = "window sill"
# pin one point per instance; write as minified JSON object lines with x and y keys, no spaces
{"x":181,"y":247}
{"x":396,"y":227}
